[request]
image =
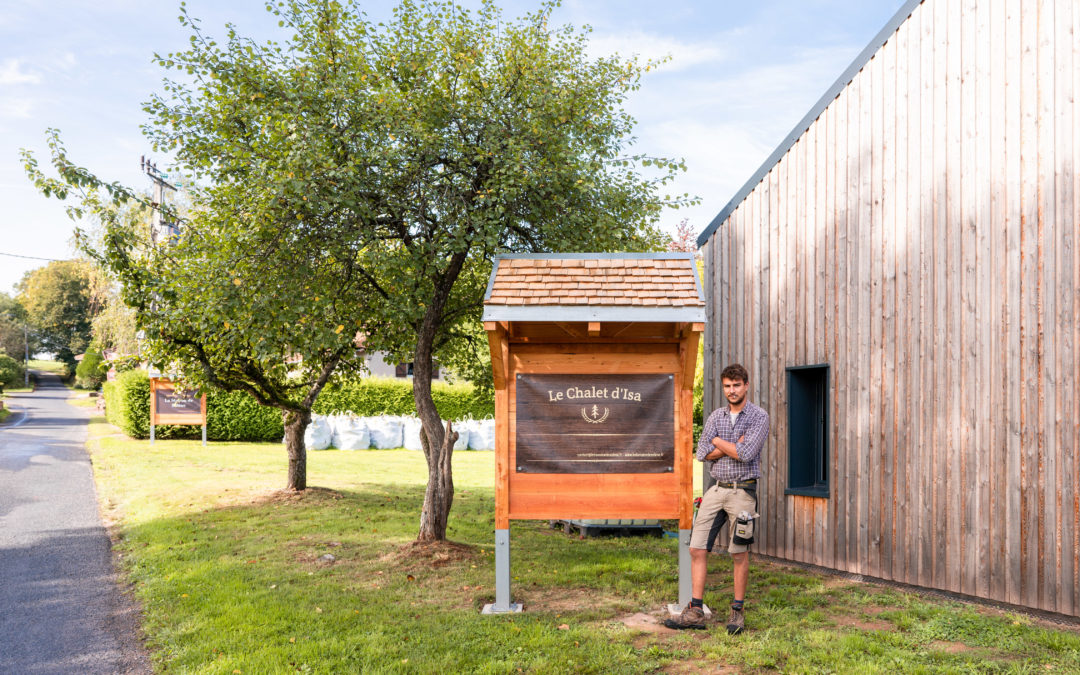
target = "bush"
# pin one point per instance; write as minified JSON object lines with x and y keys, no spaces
{"x":230,"y":416}
{"x":11,"y":372}
{"x":91,"y":371}
{"x":236,"y":416}
{"x":127,"y":403}
{"x":370,"y":396}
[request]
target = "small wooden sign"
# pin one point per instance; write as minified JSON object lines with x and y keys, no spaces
{"x":611,"y":423}
{"x":171,"y":405}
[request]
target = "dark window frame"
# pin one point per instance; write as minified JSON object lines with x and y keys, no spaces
{"x":808,"y":430}
{"x":406,"y":370}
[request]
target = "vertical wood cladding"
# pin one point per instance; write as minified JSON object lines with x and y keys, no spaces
{"x":921,"y":238}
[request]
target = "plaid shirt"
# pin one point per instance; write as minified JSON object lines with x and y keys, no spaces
{"x":753,"y":422}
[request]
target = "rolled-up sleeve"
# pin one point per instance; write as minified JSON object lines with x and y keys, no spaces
{"x":753,"y":438}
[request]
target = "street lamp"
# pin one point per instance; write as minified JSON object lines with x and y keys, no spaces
{"x":26,"y":350}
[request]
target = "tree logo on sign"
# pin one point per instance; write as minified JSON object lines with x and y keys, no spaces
{"x":596,"y":417}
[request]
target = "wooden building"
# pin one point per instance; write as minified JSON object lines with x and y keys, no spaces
{"x":902,"y":280}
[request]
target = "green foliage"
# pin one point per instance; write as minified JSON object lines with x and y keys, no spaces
{"x":236,"y":416}
{"x":360,"y":178}
{"x":91,"y":371}
{"x":230,"y":416}
{"x":60,"y":307}
{"x":15,"y":339}
{"x":11,"y":372}
{"x":387,"y":396}
{"x":394,"y":211}
{"x":125,"y":362}
{"x":127,"y":403}
{"x":115,"y":327}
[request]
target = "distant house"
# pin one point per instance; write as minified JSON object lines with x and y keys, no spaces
{"x":378,"y":366}
{"x":902,"y":279}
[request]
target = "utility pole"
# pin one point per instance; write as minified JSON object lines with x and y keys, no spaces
{"x":161,"y":230}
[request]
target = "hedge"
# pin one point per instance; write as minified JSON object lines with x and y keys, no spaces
{"x":127,"y":403}
{"x":230,"y":416}
{"x":369,"y":396}
{"x":236,"y":416}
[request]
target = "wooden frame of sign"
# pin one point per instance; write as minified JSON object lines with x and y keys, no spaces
{"x":593,"y":418}
{"x":174,"y":409}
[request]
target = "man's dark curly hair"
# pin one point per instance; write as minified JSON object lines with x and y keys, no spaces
{"x":735,"y":372}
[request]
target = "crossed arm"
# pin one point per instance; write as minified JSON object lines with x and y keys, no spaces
{"x":745,"y":449}
{"x":725,"y":448}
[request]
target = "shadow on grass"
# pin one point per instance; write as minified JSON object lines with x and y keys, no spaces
{"x":331,"y":580}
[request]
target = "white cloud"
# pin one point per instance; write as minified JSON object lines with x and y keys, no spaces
{"x":651,"y":47}
{"x":17,"y":108}
{"x":11,"y":72}
{"x":66,"y":61}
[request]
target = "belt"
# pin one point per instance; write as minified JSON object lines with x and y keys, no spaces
{"x":739,"y":484}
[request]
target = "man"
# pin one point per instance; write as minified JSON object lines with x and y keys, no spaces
{"x":732,"y":438}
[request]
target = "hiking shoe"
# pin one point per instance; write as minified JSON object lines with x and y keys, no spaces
{"x":736,"y":623}
{"x":690,"y":618}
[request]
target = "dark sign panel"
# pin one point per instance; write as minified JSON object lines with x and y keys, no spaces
{"x":177,"y":402}
{"x":595,"y":423}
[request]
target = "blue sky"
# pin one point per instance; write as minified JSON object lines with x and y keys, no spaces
{"x":742,"y":73}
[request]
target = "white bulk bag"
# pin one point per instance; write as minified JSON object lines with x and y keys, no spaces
{"x":410,"y":430}
{"x":318,"y":434}
{"x":333,"y":421}
{"x":483,"y":436}
{"x":462,"y":429}
{"x":351,"y":433}
{"x":386,"y":432}
{"x":467,"y":428}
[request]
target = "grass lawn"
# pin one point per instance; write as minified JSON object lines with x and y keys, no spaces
{"x":4,"y":414}
{"x":47,"y":366}
{"x":231,"y":578}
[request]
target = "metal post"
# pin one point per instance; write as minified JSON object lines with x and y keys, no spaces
{"x":26,"y":362}
{"x":151,"y":434}
{"x":204,"y":435}
{"x":685,"y":576}
{"x":502,"y":604}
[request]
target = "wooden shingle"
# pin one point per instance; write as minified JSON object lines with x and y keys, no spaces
{"x":608,"y":281}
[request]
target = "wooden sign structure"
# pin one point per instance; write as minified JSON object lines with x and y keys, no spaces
{"x":593,"y":357}
{"x":170,"y":405}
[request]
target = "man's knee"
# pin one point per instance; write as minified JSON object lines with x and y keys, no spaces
{"x":698,"y":552}
{"x":740,"y":558}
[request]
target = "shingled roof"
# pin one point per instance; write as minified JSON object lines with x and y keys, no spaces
{"x":595,"y":287}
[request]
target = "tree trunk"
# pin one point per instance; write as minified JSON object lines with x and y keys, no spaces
{"x":295,"y":425}
{"x":438,"y":446}
{"x":439,"y":494}
{"x":438,"y":443}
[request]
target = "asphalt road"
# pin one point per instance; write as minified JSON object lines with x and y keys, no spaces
{"x":61,"y":610}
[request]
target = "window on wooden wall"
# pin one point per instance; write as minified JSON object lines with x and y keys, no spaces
{"x":808,"y":442}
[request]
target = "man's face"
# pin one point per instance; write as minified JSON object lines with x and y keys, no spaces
{"x":734,"y":391}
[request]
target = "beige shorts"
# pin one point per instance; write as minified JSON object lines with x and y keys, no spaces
{"x":719,"y":505}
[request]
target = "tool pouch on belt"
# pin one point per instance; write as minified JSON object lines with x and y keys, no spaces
{"x":744,"y":529}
